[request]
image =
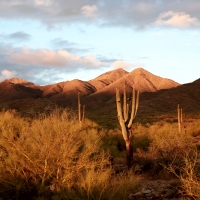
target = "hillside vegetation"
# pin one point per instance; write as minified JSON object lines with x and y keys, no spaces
{"x":54,"y":157}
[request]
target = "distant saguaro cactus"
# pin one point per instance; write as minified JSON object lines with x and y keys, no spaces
{"x":180,"y":118}
{"x":126,"y":117}
{"x":81,"y":110}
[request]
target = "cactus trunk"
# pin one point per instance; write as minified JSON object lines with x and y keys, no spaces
{"x":180,"y":118}
{"x":81,"y":116}
{"x":126,"y":119}
{"x":129,"y":153}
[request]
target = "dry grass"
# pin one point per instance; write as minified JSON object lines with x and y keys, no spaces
{"x":53,"y":157}
{"x":171,"y":154}
{"x":188,"y":176}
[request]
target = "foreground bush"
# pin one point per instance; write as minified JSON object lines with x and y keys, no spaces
{"x":54,"y":158}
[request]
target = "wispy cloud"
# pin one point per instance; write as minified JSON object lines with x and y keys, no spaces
{"x":126,"y":65}
{"x":89,"y":10}
{"x":59,"y":42}
{"x":60,"y":58}
{"x":177,"y":20}
{"x":44,"y":66}
{"x":16,"y":36}
{"x":6,"y":74}
{"x":134,"y":14}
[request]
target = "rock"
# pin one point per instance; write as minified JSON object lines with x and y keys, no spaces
{"x":135,"y":195}
{"x":146,"y":191}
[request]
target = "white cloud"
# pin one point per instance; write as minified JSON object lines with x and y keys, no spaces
{"x":126,"y":65}
{"x":60,"y":58}
{"x":177,"y":19}
{"x":43,"y":2}
{"x":121,"y":64}
{"x":5,"y":74}
{"x":89,"y":11}
{"x":134,"y":14}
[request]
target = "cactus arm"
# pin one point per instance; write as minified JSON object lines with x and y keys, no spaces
{"x":120,"y":116}
{"x":135,"y":103}
{"x":125,"y":105}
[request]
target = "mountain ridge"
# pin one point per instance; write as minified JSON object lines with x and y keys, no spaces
{"x":104,"y":84}
{"x":158,"y":96}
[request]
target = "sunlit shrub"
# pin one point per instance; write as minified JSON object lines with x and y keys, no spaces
{"x":54,"y":156}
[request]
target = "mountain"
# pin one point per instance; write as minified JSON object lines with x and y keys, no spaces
{"x":97,"y":94}
{"x":107,"y":78}
{"x":20,"y":81}
{"x":141,"y":80}
{"x":11,"y":91}
{"x":67,"y":89}
{"x":166,"y":101}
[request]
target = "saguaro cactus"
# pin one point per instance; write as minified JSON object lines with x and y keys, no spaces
{"x":126,"y":117}
{"x":180,"y":118}
{"x":81,"y":110}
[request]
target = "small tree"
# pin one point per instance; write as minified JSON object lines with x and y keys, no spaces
{"x":126,"y":117}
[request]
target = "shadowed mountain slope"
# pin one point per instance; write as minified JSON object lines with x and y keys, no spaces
{"x":163,"y":101}
{"x":153,"y":106}
{"x":67,"y":89}
{"x":10,"y":91}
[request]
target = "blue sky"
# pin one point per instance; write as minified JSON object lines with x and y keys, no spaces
{"x":49,"y":41}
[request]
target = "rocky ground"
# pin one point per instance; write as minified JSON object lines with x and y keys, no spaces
{"x":152,"y":187}
{"x":157,"y":189}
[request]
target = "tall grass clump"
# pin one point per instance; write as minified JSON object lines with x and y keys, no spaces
{"x":167,"y":147}
{"x":52,"y":157}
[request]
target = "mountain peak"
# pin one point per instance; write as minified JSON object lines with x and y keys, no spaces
{"x":17,"y":80}
{"x":20,"y":81}
{"x":113,"y":74}
{"x":140,"y":70}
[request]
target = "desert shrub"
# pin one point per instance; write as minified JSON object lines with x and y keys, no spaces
{"x":114,"y":142}
{"x":140,"y":138}
{"x":53,"y":157}
{"x":192,"y":127}
{"x":190,"y":185}
{"x":167,"y":147}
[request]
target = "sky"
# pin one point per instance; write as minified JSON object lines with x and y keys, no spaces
{"x":49,"y":41}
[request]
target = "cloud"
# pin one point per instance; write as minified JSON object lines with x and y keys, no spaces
{"x":177,"y":20}
{"x":121,"y":64}
{"x":126,"y":65}
{"x":122,"y":13}
{"x":68,"y":46}
{"x":58,"y":42}
{"x":43,"y":2}
{"x":17,"y":36}
{"x":5,"y":74}
{"x":60,"y":58}
{"x":44,"y":66}
{"x":89,"y":11}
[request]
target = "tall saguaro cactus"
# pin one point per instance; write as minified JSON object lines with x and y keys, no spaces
{"x":180,"y":118}
{"x":81,"y":111}
{"x":126,"y":117}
